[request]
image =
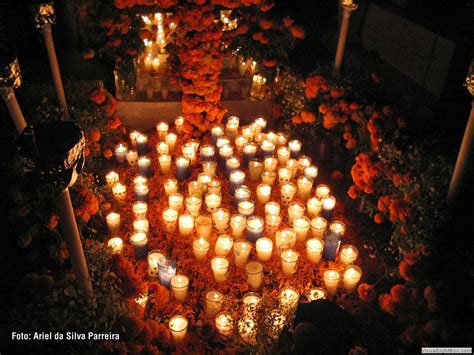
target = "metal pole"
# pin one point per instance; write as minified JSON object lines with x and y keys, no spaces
{"x":343,"y":31}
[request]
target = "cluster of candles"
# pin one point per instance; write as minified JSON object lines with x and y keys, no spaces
{"x":271,"y":160}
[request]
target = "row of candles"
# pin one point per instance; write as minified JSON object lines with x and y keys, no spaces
{"x":325,"y":240}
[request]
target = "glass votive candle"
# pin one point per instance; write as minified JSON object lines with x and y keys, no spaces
{"x":179,"y":286}
{"x":268,"y":177}
{"x":185,"y":224}
{"x":255,"y":169}
{"x":249,"y":152}
{"x":246,"y":207}
{"x":231,"y":164}
{"x":272,"y":208}
{"x":195,"y":188}
{"x":162,"y":148}
{"x":203,"y":179}
{"x":113,"y":222}
{"x":162,"y":130}
{"x":351,"y":277}
{"x":272,"y":224}
{"x":331,"y":280}
{"x":115,"y":244}
{"x":261,"y":123}
{"x":209,"y":167}
{"x":216,"y":132}
{"x":301,"y":226}
{"x":141,"y":225}
{"x":207,"y":152}
{"x":121,"y":152}
{"x":288,"y":191}
{"x":254,"y":271}
{"x":120,"y":192}
{"x":166,"y":270}
{"x":348,"y":254}
{"x":193,"y":205}
{"x":314,"y":206}
{"x":203,"y":226}
{"x":140,"y":180}
{"x":232,"y":126}
{"x":328,"y":207}
{"x":248,"y":131}
{"x":285,"y":239}
{"x":304,"y":161}
{"x":171,"y":139}
{"x":170,"y":218}
{"x":270,"y":164}
{"x":255,"y":225}
{"x":171,"y":186}
{"x":154,"y":257}
{"x":187,"y":150}
{"x":141,"y":192}
{"x":289,"y":261}
{"x":292,"y":165}
{"x":338,"y":227}
{"x":263,"y":193}
{"x":220,"y":268}
{"x":139,"y":241}
{"x":238,"y":225}
{"x":295,"y":210}
{"x":239,"y":142}
{"x":284,"y":176}
{"x":316,"y":293}
{"x":139,"y":208}
{"x":251,"y":302}
{"x":182,"y":168}
{"x":112,"y":178}
{"x":221,"y":220}
{"x":133,"y":137}
{"x":289,"y":298}
{"x":200,"y":248}
{"x":322,"y":191}
{"x":311,"y":172}
{"x":277,"y":320}
{"x":223,"y":245}
{"x":224,"y":323}
{"x":283,"y":154}
{"x":332,"y":241}
{"x":178,"y":124}
{"x":222,"y":141}
{"x":175,"y":201}
{"x":144,"y":166}
{"x":242,"y":250}
{"x":165,"y":163}
{"x":264,"y":248}
{"x":132,"y":158}
{"x":142,"y":144}
{"x":295,"y":148}
{"x":314,"y":249}
{"x":178,"y":327}
{"x":318,"y":226}
{"x":242,"y":193}
{"x":267,"y":147}
{"x":304,"y":186}
{"x":282,"y":139}
{"x":236,"y":179}
{"x":225,"y":153}
{"x":214,"y":187}
{"x":213,"y":304}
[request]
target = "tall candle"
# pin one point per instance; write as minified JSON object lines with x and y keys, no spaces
{"x":203,"y":226}
{"x":255,"y":169}
{"x":292,"y":165}
{"x":284,"y":175}
{"x":314,"y":206}
{"x":165,"y":163}
{"x":171,"y":186}
{"x":178,"y":327}
{"x":246,"y":207}
{"x":289,"y":261}
{"x":295,"y":148}
{"x":263,"y":193}
{"x":170,"y":218}
{"x":139,"y":241}
{"x":182,"y":168}
{"x":162,"y":148}
{"x":277,"y":321}
{"x":236,"y":179}
{"x":331,"y":281}
{"x":261,"y":123}
{"x":224,"y":323}
{"x":140,"y":180}
{"x":314,"y":249}
{"x":264,"y":248}
{"x":241,"y":252}
{"x":113,"y":222}
{"x":171,"y":139}
{"x":142,"y":144}
{"x":153,"y":257}
{"x":295,"y":210}
{"x":140,"y":208}
{"x":272,"y":224}
{"x":203,"y":179}
{"x":220,"y":268}
{"x":238,"y":224}
{"x":283,"y":154}
{"x":144,"y":166}
{"x":112,"y":178}
{"x":328,"y":207}
{"x":225,"y":152}
{"x":200,"y":248}
{"x":351,"y":277}
{"x":141,"y":192}
{"x":254,"y":272}
{"x":162,"y":130}
{"x":318,"y":227}
{"x":175,"y":201}
{"x":115,"y":244}
{"x":193,"y":205}
{"x":270,"y":164}
{"x":287,"y":193}
{"x":268,"y":177}
{"x":239,"y":142}
{"x":207,"y":152}
{"x":304,"y":186}
{"x":301,"y":226}
{"x":285,"y":239}
{"x":141,"y":225}
{"x":214,"y":300}
{"x":120,"y":192}
{"x":348,"y":254}
{"x":132,"y":158}
{"x":289,"y":298}
{"x":221,"y":219}
{"x":121,"y":152}
{"x":250,"y":152}
{"x":179,"y":285}
{"x":185,"y":224}
{"x":166,"y":270}
{"x":322,"y":191}
{"x":223,"y":246}
{"x":255,"y":226}
{"x":188,"y":152}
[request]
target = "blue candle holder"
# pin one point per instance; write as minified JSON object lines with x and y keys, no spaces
{"x":144,"y":170}
{"x":166,"y":270}
{"x":140,"y":244}
{"x":142,"y":148}
{"x":231,"y":168}
{"x":182,"y":170}
{"x":332,"y":241}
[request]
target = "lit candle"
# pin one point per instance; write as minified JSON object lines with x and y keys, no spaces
{"x":272,"y":136}
{"x":284,"y":176}
{"x":120,"y":192}
{"x":295,"y":210}
{"x":203,"y":179}
{"x":264,"y":248}
{"x":113,"y":222}
{"x":318,"y":227}
{"x":214,"y":187}
{"x":241,"y":193}
{"x":289,"y":298}
{"x":203,"y":226}
{"x":142,"y":144}
{"x":236,"y":179}
{"x":182,"y":168}
{"x":267,"y":148}
{"x":314,"y":249}
{"x":285,"y":239}
{"x":322,"y":191}
{"x":207,"y":152}
{"x":270,"y":164}
{"x":351,"y":277}
{"x":314,"y":206}
{"x":155,"y":64}
{"x":214,"y":300}
{"x":141,"y":225}
{"x":223,"y":141}
{"x":338,"y":227}
{"x":272,"y":223}
{"x":311,"y":172}
{"x":301,"y":226}
{"x":316,"y":293}
{"x":220,"y":267}
{"x":153,"y":257}
{"x":140,"y":208}
{"x":178,"y":326}
{"x":348,"y":254}
{"x":200,"y":248}
{"x":231,"y":164}
{"x":248,"y":330}
{"x":166,"y":270}
{"x":188,"y":152}
{"x":272,"y":208}
{"x":112,"y":178}
{"x":193,"y":205}
{"x":140,"y":180}
{"x":132,"y":158}
{"x":304,"y":186}
{"x":179,"y":285}
{"x":223,"y":246}
{"x":328,"y":207}
{"x":232,"y":126}
{"x":238,"y":224}
{"x":115,"y":244}
{"x":268,"y":177}
{"x":282,"y":139}
{"x":254,"y":272}
{"x":170,"y":217}
{"x":295,"y":148}
{"x":162,"y":148}
{"x":178,"y":124}
{"x":331,"y":281}
{"x":216,"y":132}
{"x":175,"y":201}
{"x":141,"y":192}
{"x":148,"y":63}
{"x":139,"y":241}
{"x":241,"y":252}
{"x":171,"y":186}
{"x":250,"y":152}
{"x":195,"y":188}
{"x":133,"y":137}
{"x":255,"y":169}
{"x":261,"y":123}
{"x":225,"y":153}
{"x":246,"y":207}
{"x":221,"y":218}
{"x":224,"y":323}
{"x":165,"y":163}
{"x":283,"y":154}
{"x":289,"y":261}
{"x":144,"y":166}
{"x":171,"y":139}
{"x":185,"y":224}
{"x":121,"y":152}
{"x":304,"y":161}
{"x":277,"y":322}
{"x":240,"y":141}
{"x":263,"y":193}
{"x":255,"y":226}
{"x":162,"y":130}
{"x":288,"y":191}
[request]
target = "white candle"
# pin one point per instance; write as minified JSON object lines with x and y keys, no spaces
{"x":140,"y":180}
{"x":120,"y":192}
{"x":268,"y":177}
{"x":251,"y":301}
{"x":141,"y":225}
{"x":178,"y":123}
{"x":214,"y":186}
{"x":165,"y":163}
{"x":292,"y":165}
{"x":175,"y":201}
{"x":113,"y":222}
{"x":179,"y":285}
{"x":121,"y":152}
{"x":263,"y":193}
{"x":328,"y":206}
{"x":255,"y":225}
{"x":170,"y":217}
{"x":284,"y":175}
{"x":185,"y":224}
{"x":331,"y":281}
{"x":195,"y":188}
{"x":200,"y":248}
{"x":240,"y":141}
{"x":303,"y":162}
{"x":270,"y":164}
{"x":171,"y":139}
{"x":112,"y":178}
{"x":237,"y":177}
{"x":144,"y":164}
{"x":261,"y":123}
{"x":238,"y":223}
{"x":178,"y":326}
{"x":289,"y":298}
{"x":203,"y":179}
{"x":267,"y":147}
{"x":295,"y":148}
{"x":282,"y":139}
{"x":188,"y":152}
{"x":272,"y":223}
{"x":246,"y":207}
{"x":207,"y":152}
{"x":264,"y":248}
{"x":285,"y":239}
{"x":193,"y":205}
{"x":283,"y":154}
{"x":295,"y":210}
{"x":154,"y":256}
{"x":338,"y":227}
{"x":213,"y":201}
{"x":162,"y":148}
{"x":254,"y":272}
{"x":287,"y":193}
{"x":226,"y":152}
{"x":289,"y":261}
{"x":314,"y":206}
{"x":225,"y":323}
{"x":314,"y":249}
{"x":311,"y":172}
{"x":255,"y":169}
{"x":115,"y":244}
{"x":272,"y":208}
{"x":221,"y":219}
{"x":304,"y":185}
{"x":223,"y":246}
{"x":171,"y":186}
{"x":220,"y":268}
{"x":214,"y":300}
{"x":162,"y":130}
{"x":242,"y":250}
{"x":322,"y":191}
{"x":140,"y":208}
{"x":318,"y":226}
{"x":203,"y":226}
{"x":132,"y":157}
{"x":301,"y":226}
{"x":348,"y":254}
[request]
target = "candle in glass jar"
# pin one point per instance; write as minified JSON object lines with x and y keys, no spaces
{"x":348,"y":254}
{"x":141,"y":225}
{"x":351,"y":277}
{"x":203,"y":179}
{"x":304,"y":161}
{"x":153,"y":257}
{"x":133,"y":137}
{"x":142,"y":144}
{"x":222,"y":141}
{"x":185,"y":224}
{"x":112,"y":178}
{"x":288,"y":191}
{"x":248,"y":132}
{"x":272,"y":223}
{"x":277,"y":322}
{"x":322,"y":191}
{"x":171,"y":186}
{"x":284,"y":175}
{"x":238,"y":223}
{"x":178,"y":124}
{"x":246,"y":207}
{"x":264,"y":248}
{"x":272,"y":136}
{"x":225,"y":152}
{"x":141,"y":192}
{"x":140,"y":208}
{"x":295,"y":148}
{"x":162,"y":148}
{"x":314,"y":249}
{"x":304,"y":186}
{"x":331,"y":281}
{"x":328,"y":207}
{"x":121,"y":152}
{"x":231,"y":164}
{"x":268,"y":177}
{"x":113,"y":222}
{"x":224,"y":323}
{"x":311,"y":172}
{"x":200,"y":248}
{"x":338,"y":227}
{"x":236,"y":179}
{"x":195,"y":188}
{"x":203,"y":226}
{"x":261,"y":123}
{"x":255,"y":226}
{"x":251,"y":301}
{"x":241,"y":193}
{"x":115,"y":244}
{"x":289,"y":261}
{"x":263,"y":193}
{"x":193,"y":205}
{"x":285,"y":239}
{"x":214,"y":300}
{"x":165,"y":163}
{"x":289,"y":298}
{"x":144,"y":166}
{"x":316,"y":293}
{"x":254,"y":272}
{"x":179,"y":285}
{"x":301,"y":226}
{"x":166,"y":270}
{"x":120,"y":192}
{"x":216,"y":132}
{"x":295,"y":210}
{"x":318,"y":227}
{"x":221,"y":218}
{"x":171,"y":139}
{"x":282,"y":139}
{"x":178,"y":327}
{"x":240,"y":141}
{"x":188,"y":152}
{"x":182,"y":168}
{"x":170,"y":218}
{"x":214,"y":187}
{"x":250,"y":152}
{"x":267,"y":147}
{"x":255,"y":169}
{"x":207,"y":152}
{"x":132,"y":158}
{"x":272,"y":208}
{"x":314,"y":206}
{"x":292,"y":165}
{"x":241,"y":252}
{"x":283,"y":154}
{"x":162,"y":130}
{"x":175,"y":201}
{"x":223,"y":246}
{"x":270,"y":164}
{"x":220,"y":267}
{"x":139,"y":241}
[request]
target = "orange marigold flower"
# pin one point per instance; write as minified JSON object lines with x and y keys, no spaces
{"x":307,"y":117}
{"x":378,"y":218}
{"x":386,"y":303}
{"x":297,"y":32}
{"x":354,"y":106}
{"x":94,"y":135}
{"x":265,"y":24}
{"x":88,"y":54}
{"x":288,"y":21}
{"x":336,"y":92}
{"x":98,"y":96}
{"x":108,"y":153}
{"x":269,"y":63}
{"x":405,"y":269}
{"x":353,"y":192}
{"x":116,"y":42}
{"x":366,"y":292}
{"x":323,"y":108}
{"x":53,"y":222}
{"x":400,"y":293}
{"x":296,"y":119}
